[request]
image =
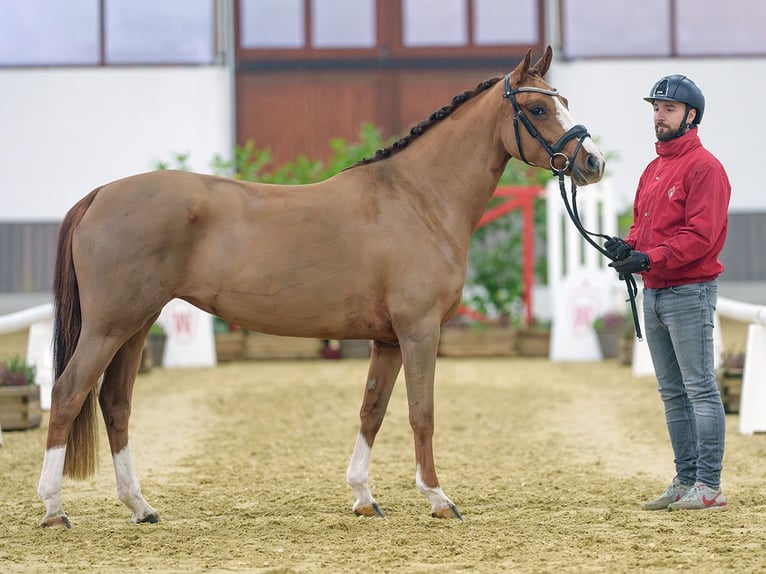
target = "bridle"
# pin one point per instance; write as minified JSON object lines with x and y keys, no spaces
{"x":555,"y":156}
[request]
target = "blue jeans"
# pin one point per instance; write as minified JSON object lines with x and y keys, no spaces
{"x":679,"y":332}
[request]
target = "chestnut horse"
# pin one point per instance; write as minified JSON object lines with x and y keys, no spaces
{"x":379,"y":251}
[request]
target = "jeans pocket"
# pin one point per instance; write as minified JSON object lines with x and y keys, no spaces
{"x":688,"y":289}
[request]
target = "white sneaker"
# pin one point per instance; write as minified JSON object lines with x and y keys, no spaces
{"x":701,"y":498}
{"x":673,"y":493}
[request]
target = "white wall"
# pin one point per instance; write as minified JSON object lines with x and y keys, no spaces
{"x":607,"y":97}
{"x":65,"y":131}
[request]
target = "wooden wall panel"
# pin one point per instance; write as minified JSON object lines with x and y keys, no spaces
{"x":296,"y":113}
{"x":417,"y":94}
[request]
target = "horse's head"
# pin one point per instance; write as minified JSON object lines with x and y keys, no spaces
{"x":542,"y":131}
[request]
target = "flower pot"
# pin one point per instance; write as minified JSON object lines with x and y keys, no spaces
{"x":20,"y":407}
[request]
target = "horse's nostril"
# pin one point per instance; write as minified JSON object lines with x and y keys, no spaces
{"x":593,"y":163}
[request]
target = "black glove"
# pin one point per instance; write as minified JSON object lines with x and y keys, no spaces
{"x":635,"y":262}
{"x":617,"y":248}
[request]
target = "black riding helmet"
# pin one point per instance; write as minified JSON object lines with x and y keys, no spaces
{"x":678,"y":88}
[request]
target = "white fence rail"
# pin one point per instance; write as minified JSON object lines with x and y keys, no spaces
{"x":22,"y":319}
{"x":752,"y":410}
{"x":190,"y":341}
{"x":752,"y":405}
{"x":743,"y":312}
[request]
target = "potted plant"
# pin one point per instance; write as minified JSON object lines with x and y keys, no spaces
{"x":612,"y":329}
{"x":19,"y":395}
{"x":154,"y":348}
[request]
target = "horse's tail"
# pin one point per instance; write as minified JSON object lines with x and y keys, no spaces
{"x":82,"y":443}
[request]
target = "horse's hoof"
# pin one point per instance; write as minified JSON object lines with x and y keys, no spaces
{"x":152,"y":518}
{"x":450,"y":511}
{"x":60,"y":521}
{"x":369,"y":510}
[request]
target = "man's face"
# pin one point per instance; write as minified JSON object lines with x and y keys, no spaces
{"x":668,"y":117}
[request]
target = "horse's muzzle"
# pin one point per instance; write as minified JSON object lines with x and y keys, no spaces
{"x":588,"y":170}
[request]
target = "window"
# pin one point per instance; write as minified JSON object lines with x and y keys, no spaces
{"x":663,"y":28}
{"x":49,"y":32}
{"x":356,"y":28}
{"x":706,"y":27}
{"x":279,"y":30}
{"x":159,"y":31}
{"x":93,"y":32}
{"x":434,"y":23}
{"x":616,"y":28}
{"x":471,"y":27}
{"x":272,"y":24}
{"x":275,"y":24}
{"x":500,"y":22}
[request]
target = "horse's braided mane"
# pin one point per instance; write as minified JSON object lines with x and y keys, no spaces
{"x":422,"y":127}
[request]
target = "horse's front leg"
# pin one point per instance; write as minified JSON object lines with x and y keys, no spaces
{"x":115,"y":399}
{"x":419,"y":354}
{"x":385,"y":363}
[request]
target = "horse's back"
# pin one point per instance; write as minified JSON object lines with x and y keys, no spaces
{"x":263,"y":256}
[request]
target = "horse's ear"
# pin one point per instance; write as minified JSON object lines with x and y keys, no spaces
{"x":523,"y":68}
{"x":544,"y":62}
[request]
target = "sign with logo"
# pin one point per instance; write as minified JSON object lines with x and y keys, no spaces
{"x":190,"y":342}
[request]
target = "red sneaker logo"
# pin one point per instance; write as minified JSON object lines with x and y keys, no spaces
{"x":709,"y":501}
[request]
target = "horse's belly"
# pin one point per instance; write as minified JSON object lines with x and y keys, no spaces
{"x":298,"y":313}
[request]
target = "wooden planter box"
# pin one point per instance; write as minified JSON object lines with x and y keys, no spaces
{"x":531,"y":342}
{"x":20,"y":407}
{"x":355,"y":349}
{"x":477,"y":341}
{"x":730,"y":387}
{"x":230,"y":346}
{"x":262,"y":346}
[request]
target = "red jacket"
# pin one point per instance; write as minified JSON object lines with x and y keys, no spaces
{"x":680,"y":213}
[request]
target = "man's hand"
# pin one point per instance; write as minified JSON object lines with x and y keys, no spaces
{"x":617,"y":248}
{"x":635,"y":262}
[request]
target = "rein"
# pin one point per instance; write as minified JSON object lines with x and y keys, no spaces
{"x":555,"y":154}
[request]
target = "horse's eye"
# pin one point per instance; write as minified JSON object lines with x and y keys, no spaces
{"x":537,"y":111}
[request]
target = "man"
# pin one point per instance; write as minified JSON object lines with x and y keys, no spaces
{"x":678,"y":231}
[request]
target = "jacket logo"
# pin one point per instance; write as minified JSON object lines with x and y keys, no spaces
{"x":671,"y":191}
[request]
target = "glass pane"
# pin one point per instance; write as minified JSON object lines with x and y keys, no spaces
{"x":616,"y":28}
{"x":504,"y":22}
{"x":272,"y":24}
{"x":434,"y":23}
{"x":343,"y":24}
{"x":159,"y":31}
{"x":708,"y":27}
{"x":49,"y":32}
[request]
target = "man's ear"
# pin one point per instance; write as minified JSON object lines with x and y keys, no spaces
{"x":691,"y":115}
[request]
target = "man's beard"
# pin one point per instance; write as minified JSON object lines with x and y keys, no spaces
{"x":667,"y":133}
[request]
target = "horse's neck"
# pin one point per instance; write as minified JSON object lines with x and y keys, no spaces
{"x":458,"y":162}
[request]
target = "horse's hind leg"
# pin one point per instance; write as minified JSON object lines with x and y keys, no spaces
{"x":68,"y":402}
{"x":115,"y":399}
{"x":385,"y":363}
